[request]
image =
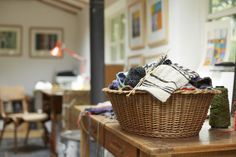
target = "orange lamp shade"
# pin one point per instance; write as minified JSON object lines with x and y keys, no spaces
{"x":57,"y":50}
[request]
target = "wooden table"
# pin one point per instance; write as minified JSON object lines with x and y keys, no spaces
{"x":209,"y":143}
{"x":52,"y":105}
{"x":53,"y":101}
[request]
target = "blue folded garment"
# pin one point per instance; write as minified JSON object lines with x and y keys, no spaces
{"x":99,"y":110}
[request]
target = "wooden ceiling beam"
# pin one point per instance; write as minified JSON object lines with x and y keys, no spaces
{"x":72,"y":3}
{"x":83,"y":1}
{"x":67,"y":8}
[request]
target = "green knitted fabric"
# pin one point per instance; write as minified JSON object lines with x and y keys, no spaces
{"x":219,"y":111}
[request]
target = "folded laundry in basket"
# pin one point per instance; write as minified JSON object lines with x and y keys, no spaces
{"x":201,"y":83}
{"x":134,"y":76}
{"x":165,"y":79}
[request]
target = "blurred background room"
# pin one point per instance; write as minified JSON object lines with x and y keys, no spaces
{"x":57,"y":54}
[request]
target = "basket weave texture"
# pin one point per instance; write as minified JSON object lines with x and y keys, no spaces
{"x":182,"y":115}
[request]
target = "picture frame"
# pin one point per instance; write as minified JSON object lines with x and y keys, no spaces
{"x":136,"y":24}
{"x":44,"y":39}
{"x":152,"y":58}
{"x":217,"y":43}
{"x":133,"y":61}
{"x":157,"y":16}
{"x":10,"y":40}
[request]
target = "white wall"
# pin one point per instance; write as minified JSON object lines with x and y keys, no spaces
{"x":84,"y":37}
{"x":186,"y":23}
{"x":24,"y":70}
{"x":187,"y":20}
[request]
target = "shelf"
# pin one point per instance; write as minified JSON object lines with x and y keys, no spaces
{"x":222,"y":69}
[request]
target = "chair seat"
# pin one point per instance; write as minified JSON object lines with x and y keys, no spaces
{"x":29,"y":117}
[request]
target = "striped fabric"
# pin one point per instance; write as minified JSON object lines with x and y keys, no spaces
{"x":165,"y":79}
{"x":153,"y":65}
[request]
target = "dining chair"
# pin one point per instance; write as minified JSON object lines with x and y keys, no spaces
{"x":14,"y":110}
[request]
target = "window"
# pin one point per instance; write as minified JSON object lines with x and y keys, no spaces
{"x":220,"y":5}
{"x":233,"y":41}
{"x":117,"y":38}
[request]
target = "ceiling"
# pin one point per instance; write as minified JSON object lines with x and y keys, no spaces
{"x":109,"y":2}
{"x":72,"y":6}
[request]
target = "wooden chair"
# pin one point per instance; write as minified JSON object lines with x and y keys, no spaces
{"x":16,"y":94}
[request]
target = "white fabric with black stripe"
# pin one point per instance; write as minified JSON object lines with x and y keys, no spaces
{"x":165,"y":79}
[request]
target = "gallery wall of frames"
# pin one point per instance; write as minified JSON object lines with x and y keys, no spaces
{"x":41,"y":40}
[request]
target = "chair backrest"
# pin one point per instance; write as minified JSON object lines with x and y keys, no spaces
{"x":11,"y":94}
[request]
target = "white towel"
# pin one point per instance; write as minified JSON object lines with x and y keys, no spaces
{"x":165,"y":79}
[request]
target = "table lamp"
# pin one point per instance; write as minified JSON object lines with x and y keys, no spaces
{"x":59,"y":49}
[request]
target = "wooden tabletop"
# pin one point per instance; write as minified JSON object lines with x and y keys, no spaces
{"x":58,"y":92}
{"x":208,"y":140}
{"x":52,"y":92}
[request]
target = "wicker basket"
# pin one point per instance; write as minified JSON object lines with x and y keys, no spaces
{"x":181,"y":116}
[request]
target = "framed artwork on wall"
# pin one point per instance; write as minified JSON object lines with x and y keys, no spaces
{"x":42,"y":40}
{"x":217,"y":43}
{"x":133,"y":61}
{"x":10,"y":40}
{"x":136,"y":25}
{"x":157,"y":22}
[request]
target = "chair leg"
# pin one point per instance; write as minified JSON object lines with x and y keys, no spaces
{"x":45,"y":134}
{"x":27,"y":134}
{"x":15,"y":137}
{"x":2,"y":132}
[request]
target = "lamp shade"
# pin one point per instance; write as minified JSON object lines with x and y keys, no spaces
{"x":58,"y":50}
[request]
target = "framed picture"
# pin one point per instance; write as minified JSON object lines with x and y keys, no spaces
{"x":133,"y":61}
{"x":42,"y":40}
{"x":152,"y":58}
{"x":157,"y":22}
{"x":10,"y":40}
{"x":217,"y":43}
{"x":136,"y":26}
